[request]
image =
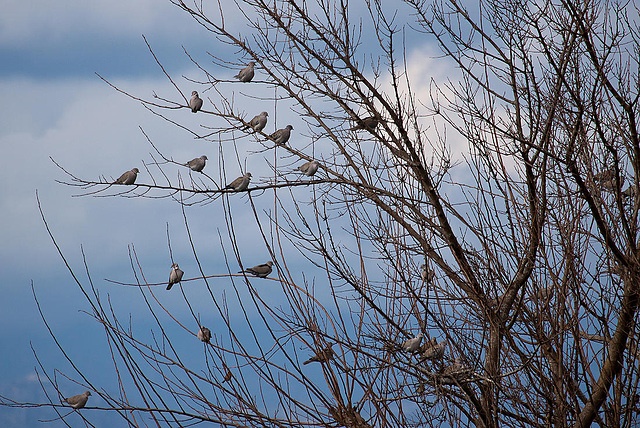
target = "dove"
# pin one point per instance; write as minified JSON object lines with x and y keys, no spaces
{"x":368,"y":123}
{"x":309,"y":168}
{"x":240,"y":184}
{"x":228,"y":375}
{"x":175,"y":276}
{"x":281,"y":136}
{"x":261,"y":271}
{"x":195,"y":102}
{"x":128,"y":177}
{"x":457,"y":371}
{"x":204,"y":334}
{"x":258,"y":122}
{"x":78,"y":401}
{"x":322,"y":356}
{"x":434,"y":350}
{"x":426,"y":274}
{"x":247,"y":73}
{"x":197,"y":164}
{"x":412,"y":345}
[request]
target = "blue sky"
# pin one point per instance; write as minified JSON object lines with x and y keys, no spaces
{"x":53,"y":105}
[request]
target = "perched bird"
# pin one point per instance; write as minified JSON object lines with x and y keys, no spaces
{"x":197,"y":164}
{"x":281,"y":136}
{"x":247,"y":73}
{"x":261,"y":271}
{"x":128,"y":177}
{"x":412,"y":345}
{"x":368,"y":123}
{"x":228,"y":375}
{"x":607,"y":179}
{"x":426,"y":274}
{"x":258,"y":122}
{"x":434,"y":350}
{"x":240,"y":184}
{"x":457,"y":371}
{"x":78,"y":401}
{"x":195,"y":102}
{"x":175,"y":276}
{"x":204,"y":334}
{"x":309,"y":168}
{"x":322,"y":356}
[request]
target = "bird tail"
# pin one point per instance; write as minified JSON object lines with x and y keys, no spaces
{"x":169,"y":286}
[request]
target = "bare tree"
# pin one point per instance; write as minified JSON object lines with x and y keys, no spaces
{"x":529,"y":301}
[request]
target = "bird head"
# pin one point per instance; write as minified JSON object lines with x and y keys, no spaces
{"x":136,"y":170}
{"x":194,"y":93}
{"x":204,"y":157}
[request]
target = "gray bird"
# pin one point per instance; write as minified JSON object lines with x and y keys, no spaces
{"x":78,"y":401}
{"x":197,"y":164}
{"x":261,"y":271}
{"x":128,"y":177}
{"x":195,"y":102}
{"x":281,"y":136}
{"x":434,"y":350}
{"x":258,"y":122}
{"x":322,"y":356}
{"x":247,"y":73}
{"x":368,"y":123}
{"x":204,"y":334}
{"x":426,"y":274}
{"x":175,"y":276}
{"x":309,"y":168}
{"x":458,"y":371}
{"x":412,"y":345}
{"x":240,"y":184}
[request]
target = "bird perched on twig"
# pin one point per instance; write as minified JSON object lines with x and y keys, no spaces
{"x":309,"y":168}
{"x":261,"y":271}
{"x":258,"y":122}
{"x":128,"y":177}
{"x":434,"y":350}
{"x":281,"y":136}
{"x":195,"y":102}
{"x":322,"y":356}
{"x":197,"y":164}
{"x":175,"y":276}
{"x":228,"y":375}
{"x":368,"y":123}
{"x":247,"y":73}
{"x":78,"y":401}
{"x":204,"y":334}
{"x":240,"y":184}
{"x":412,"y":345}
{"x":457,"y":371}
{"x":427,"y":274}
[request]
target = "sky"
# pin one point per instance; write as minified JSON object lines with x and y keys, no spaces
{"x":53,"y":106}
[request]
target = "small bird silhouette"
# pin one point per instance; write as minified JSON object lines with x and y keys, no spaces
{"x":322,"y":356}
{"x":204,"y":334}
{"x":78,"y":401}
{"x":195,"y":102}
{"x":368,"y":123}
{"x":281,"y":136}
{"x":240,"y":184}
{"x":247,"y":73}
{"x":128,"y":177}
{"x":261,"y":271}
{"x":197,"y":164}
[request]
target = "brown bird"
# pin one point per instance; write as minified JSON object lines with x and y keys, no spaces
{"x":128,"y":177}
{"x":197,"y":164}
{"x":78,"y":401}
{"x":195,"y":102}
{"x":204,"y":334}
{"x":261,"y":271}
{"x":434,"y":350}
{"x":175,"y":276}
{"x":240,"y":184}
{"x":368,"y":123}
{"x":228,"y":375}
{"x":309,"y":168}
{"x":322,"y":356}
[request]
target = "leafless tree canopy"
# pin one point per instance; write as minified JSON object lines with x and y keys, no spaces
{"x":513,"y":180}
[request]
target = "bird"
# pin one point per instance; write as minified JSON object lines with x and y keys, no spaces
{"x":281,"y":136}
{"x":434,"y":350}
{"x":412,"y":345}
{"x":426,"y":274}
{"x":607,"y":179}
{"x":247,"y":73}
{"x":322,"y":356}
{"x":78,"y":401}
{"x":258,"y":122}
{"x":175,"y":276}
{"x":197,"y":164}
{"x":204,"y":334}
{"x":240,"y":184}
{"x":261,"y":271}
{"x":309,"y":168}
{"x":457,"y":371}
{"x":228,"y":375}
{"x":128,"y":177}
{"x":195,"y":102}
{"x":368,"y":123}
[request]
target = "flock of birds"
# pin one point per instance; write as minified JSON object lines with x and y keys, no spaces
{"x":240,"y":184}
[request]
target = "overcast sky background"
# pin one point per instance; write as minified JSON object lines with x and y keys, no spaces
{"x":53,"y":105}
